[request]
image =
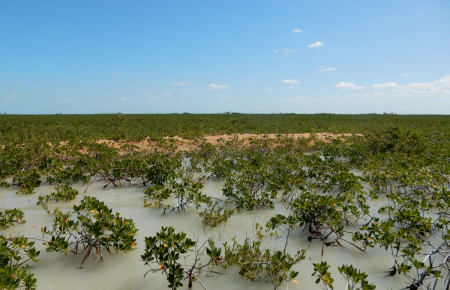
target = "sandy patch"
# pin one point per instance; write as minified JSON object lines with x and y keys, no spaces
{"x":243,"y":140}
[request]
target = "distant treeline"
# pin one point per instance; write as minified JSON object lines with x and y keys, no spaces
{"x":138,"y":126}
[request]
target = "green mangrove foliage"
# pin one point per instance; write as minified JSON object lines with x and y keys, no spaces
{"x":355,"y":278}
{"x":167,"y":252}
{"x":27,"y":181}
{"x":10,"y":217}
{"x":185,"y":190}
{"x":324,"y":278}
{"x":94,"y":229}
{"x":214,"y":214}
{"x":255,"y":263}
{"x":15,"y":252}
{"x":331,"y":190}
{"x":63,"y":192}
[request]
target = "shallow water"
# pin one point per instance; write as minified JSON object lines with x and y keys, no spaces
{"x":126,"y":270}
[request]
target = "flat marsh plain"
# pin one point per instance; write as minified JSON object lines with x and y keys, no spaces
{"x":237,"y":201}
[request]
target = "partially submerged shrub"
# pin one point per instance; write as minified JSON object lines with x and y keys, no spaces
{"x":13,"y":278}
{"x":27,"y":181}
{"x":165,"y":252}
{"x":324,"y":278}
{"x":95,"y":228}
{"x":255,"y":263}
{"x":248,"y":189}
{"x":15,"y":252}
{"x":186,"y":190}
{"x":9,"y":217}
{"x":64,"y":192}
{"x":324,"y":216}
{"x":213,"y":215}
{"x":393,"y":139}
{"x":355,"y":278}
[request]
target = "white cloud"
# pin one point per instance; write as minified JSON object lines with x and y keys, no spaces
{"x":316,"y":44}
{"x":290,"y":82}
{"x":249,"y":80}
{"x":321,"y":68}
{"x":298,"y":99}
{"x":150,"y":96}
{"x":216,"y":87}
{"x":429,"y":97}
{"x":348,"y":86}
{"x":438,"y":88}
{"x":116,"y":74}
{"x":269,"y":89}
{"x":14,"y":96}
{"x":286,"y":51}
{"x":181,"y":84}
{"x":385,"y":85}
{"x":424,"y":93}
{"x":289,"y":51}
{"x":297,"y":30}
{"x":406,"y":74}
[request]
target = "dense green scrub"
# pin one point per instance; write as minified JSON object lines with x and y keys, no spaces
{"x":403,"y":159}
{"x":20,"y":128}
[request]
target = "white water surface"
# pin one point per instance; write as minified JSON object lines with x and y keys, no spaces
{"x":126,"y":270}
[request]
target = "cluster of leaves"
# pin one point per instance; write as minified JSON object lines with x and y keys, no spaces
{"x":325,"y":217}
{"x":185,"y":190}
{"x":405,"y":235}
{"x":11,"y":216}
{"x":356,"y":280}
{"x":393,"y":139}
{"x":94,"y":229}
{"x":27,"y":181}
{"x":330,"y":199}
{"x":324,"y":278}
{"x":213,"y":215}
{"x":255,"y":263}
{"x":68,"y":165}
{"x":63,"y":192}
{"x":253,"y":179}
{"x":15,"y":252}
{"x":247,"y":188}
{"x":165,"y":252}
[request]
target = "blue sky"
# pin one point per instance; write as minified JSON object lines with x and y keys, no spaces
{"x":194,"y":56}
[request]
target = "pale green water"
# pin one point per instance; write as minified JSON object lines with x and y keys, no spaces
{"x":126,"y":271}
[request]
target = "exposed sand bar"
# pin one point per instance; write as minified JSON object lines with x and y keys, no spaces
{"x":215,"y":140}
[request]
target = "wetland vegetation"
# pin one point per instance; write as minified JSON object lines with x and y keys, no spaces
{"x":382,"y":190}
